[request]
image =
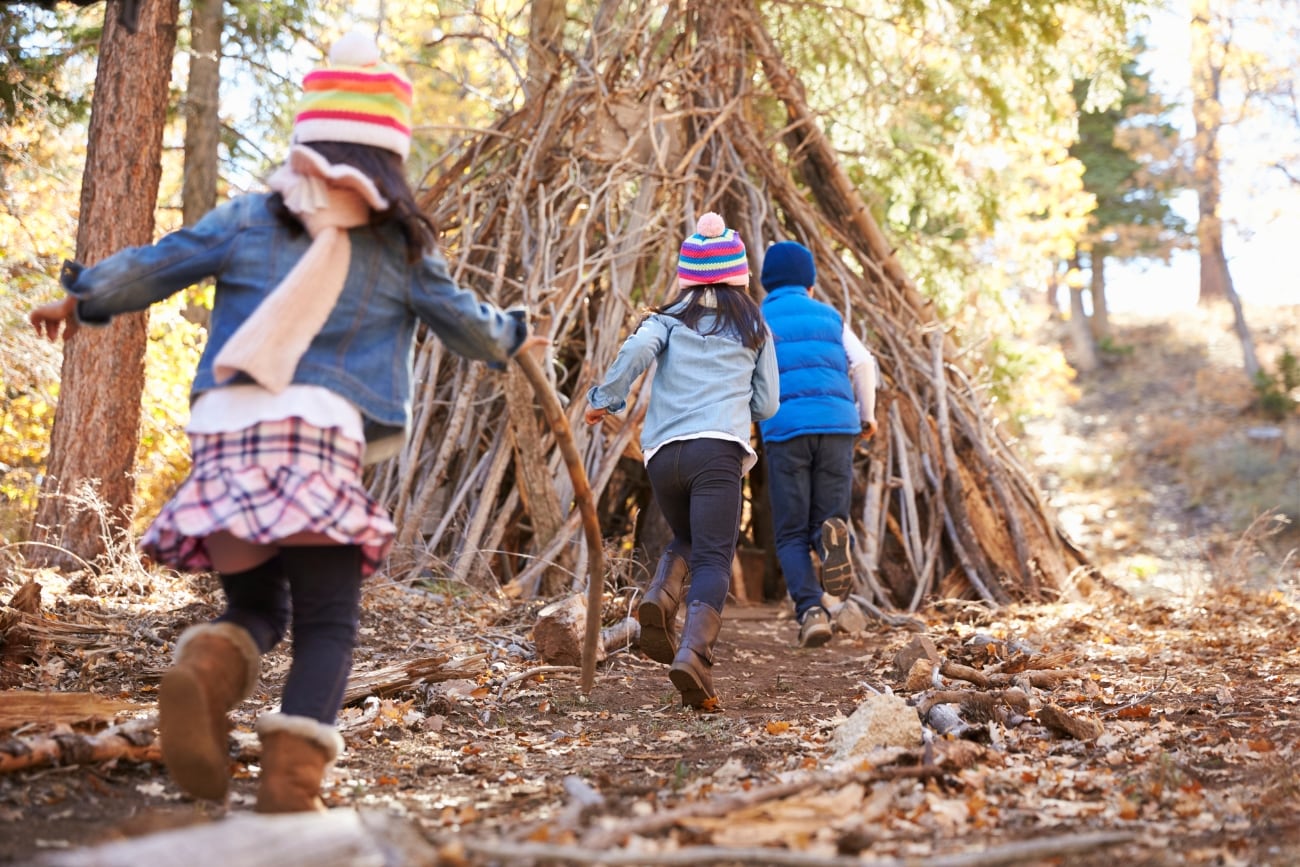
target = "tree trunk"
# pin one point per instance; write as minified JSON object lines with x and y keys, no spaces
{"x":97,"y":421}
{"x":1207,"y":62}
{"x":1207,"y":69}
{"x":202,"y":123}
{"x":545,"y":40}
{"x":1249,"y":360}
{"x":1085,"y":350}
{"x":1100,"y":321}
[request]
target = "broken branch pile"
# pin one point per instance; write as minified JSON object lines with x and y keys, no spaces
{"x":575,"y":205}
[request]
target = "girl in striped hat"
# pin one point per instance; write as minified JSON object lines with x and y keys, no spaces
{"x":716,"y":376}
{"x":320,"y":285}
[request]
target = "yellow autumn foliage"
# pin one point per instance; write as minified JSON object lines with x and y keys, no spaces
{"x":38,"y":208}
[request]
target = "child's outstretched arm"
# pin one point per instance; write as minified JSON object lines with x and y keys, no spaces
{"x":634,"y":357}
{"x":467,"y":325}
{"x":48,"y":318}
{"x":133,"y":278}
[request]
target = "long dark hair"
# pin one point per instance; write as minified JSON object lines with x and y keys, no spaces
{"x":735,"y":313}
{"x":384,"y":167}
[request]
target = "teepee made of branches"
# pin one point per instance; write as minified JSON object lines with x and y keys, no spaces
{"x":575,"y":206}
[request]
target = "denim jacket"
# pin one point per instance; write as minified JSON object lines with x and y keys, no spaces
{"x":365,"y":350}
{"x":703,"y":384}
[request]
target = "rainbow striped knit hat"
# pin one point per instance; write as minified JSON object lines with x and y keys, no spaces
{"x":714,"y":254}
{"x":356,"y":99}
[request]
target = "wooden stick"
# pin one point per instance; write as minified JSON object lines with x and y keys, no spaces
{"x":559,"y":423}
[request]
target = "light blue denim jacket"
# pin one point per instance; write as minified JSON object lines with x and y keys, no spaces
{"x":703,"y":384}
{"x":365,"y":350}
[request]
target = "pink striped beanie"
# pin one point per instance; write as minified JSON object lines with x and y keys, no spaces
{"x":714,"y":254}
{"x":356,"y":99}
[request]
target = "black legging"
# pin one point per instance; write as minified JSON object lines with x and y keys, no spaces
{"x":318,"y":589}
{"x":697,"y":486}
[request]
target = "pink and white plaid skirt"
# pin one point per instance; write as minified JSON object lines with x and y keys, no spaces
{"x":266,"y":483}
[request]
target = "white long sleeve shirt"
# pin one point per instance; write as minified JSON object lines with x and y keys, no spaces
{"x":862,"y":371}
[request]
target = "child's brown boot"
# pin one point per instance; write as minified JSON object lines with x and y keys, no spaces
{"x":296,"y":751}
{"x":692,"y":671}
{"x":658,"y":610}
{"x":216,"y":668}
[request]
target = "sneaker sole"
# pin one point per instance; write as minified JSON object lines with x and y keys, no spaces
{"x":816,"y":638}
{"x":837,"y":571}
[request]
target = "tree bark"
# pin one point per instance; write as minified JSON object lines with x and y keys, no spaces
{"x":202,"y":123}
{"x":97,"y":421}
{"x":1100,"y":320}
{"x":1207,"y":62}
{"x":545,"y":41}
{"x":1085,"y":351}
{"x":1207,"y":111}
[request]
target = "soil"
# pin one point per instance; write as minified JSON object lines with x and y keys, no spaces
{"x":1190,"y":677}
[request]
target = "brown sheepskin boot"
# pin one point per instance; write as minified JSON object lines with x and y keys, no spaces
{"x":658,"y":610}
{"x":692,"y":671}
{"x":216,"y":668}
{"x":296,"y":752}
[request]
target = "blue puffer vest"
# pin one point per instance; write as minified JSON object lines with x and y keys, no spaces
{"x":816,"y":392}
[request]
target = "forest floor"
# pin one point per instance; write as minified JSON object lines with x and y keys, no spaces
{"x":1189,"y":678}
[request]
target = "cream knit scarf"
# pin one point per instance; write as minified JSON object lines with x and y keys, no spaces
{"x":329,"y":199}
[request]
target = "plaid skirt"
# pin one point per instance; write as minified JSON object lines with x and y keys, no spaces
{"x":265,"y":483}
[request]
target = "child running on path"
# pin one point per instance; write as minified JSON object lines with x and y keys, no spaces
{"x":716,"y":376}
{"x":320,"y":285}
{"x":828,"y":403}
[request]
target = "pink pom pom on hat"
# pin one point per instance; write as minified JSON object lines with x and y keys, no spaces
{"x":714,"y":254}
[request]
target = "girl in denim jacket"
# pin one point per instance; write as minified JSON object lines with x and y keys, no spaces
{"x":320,"y":285}
{"x":716,"y":376}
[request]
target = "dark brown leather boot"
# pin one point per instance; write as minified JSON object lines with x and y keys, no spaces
{"x":658,"y":609}
{"x":216,"y":668}
{"x":692,"y":671}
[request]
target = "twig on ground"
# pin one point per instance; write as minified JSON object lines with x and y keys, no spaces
{"x":533,"y":672}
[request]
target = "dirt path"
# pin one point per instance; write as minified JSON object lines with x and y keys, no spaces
{"x":1197,"y":698}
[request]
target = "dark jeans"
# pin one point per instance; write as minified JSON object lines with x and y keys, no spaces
{"x":697,"y":486}
{"x":809,"y":479}
{"x":318,"y":590}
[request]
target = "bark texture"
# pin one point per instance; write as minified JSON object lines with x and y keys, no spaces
{"x":97,"y":421}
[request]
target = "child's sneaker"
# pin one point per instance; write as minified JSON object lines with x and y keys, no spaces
{"x":837,"y":569}
{"x":814,"y":628}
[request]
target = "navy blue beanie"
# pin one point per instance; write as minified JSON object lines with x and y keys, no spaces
{"x":788,"y":264}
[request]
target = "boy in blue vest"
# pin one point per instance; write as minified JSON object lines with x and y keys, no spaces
{"x":828,"y":402}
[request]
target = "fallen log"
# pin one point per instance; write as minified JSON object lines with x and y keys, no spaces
{"x":1020,"y":852}
{"x":404,"y":675}
{"x":560,"y":631}
{"x":134,"y":741}
{"x":336,"y":838}
{"x":20,"y":707}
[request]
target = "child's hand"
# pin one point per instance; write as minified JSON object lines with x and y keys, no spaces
{"x":47,"y":318}
{"x":868,"y":430}
{"x":594,"y":416}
